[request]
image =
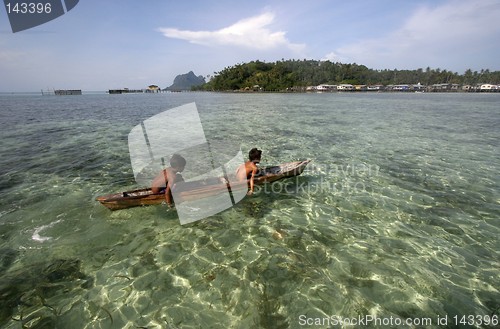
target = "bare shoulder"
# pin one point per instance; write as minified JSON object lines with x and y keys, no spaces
{"x":171,"y":175}
{"x":253,"y":166}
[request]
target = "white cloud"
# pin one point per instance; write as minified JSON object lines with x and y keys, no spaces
{"x":251,"y":33}
{"x":455,"y":35}
{"x":10,"y":56}
{"x":333,"y":57}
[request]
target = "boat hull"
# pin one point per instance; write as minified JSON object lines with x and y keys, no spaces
{"x":199,"y":189}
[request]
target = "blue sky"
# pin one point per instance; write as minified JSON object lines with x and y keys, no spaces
{"x":101,"y":45}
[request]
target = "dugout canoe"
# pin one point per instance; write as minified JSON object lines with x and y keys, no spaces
{"x":199,"y":189}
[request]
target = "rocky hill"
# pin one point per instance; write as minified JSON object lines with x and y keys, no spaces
{"x":186,"y":82}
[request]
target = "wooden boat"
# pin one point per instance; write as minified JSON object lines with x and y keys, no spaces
{"x":201,"y":188}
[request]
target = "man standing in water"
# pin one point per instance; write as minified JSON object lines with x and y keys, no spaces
{"x":249,"y":169}
{"x":168,"y":177}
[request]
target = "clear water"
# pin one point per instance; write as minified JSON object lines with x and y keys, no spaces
{"x":397,"y":216}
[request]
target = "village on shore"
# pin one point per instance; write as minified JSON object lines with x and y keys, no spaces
{"x":439,"y":87}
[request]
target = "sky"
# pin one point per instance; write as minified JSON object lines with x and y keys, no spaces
{"x":101,"y":45}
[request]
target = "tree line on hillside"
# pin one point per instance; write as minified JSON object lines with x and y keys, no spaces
{"x":289,"y":74}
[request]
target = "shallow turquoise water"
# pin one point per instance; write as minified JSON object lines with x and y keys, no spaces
{"x":397,"y":216}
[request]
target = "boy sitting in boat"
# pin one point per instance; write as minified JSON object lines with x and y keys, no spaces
{"x":168,"y":177}
{"x":249,"y":169}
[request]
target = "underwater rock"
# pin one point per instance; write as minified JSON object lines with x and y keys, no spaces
{"x":32,"y":284}
{"x":7,"y":257}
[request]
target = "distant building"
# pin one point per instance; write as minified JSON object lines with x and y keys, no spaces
{"x":325,"y":87}
{"x":439,"y":87}
{"x":401,"y":88}
{"x":153,"y":89}
{"x":418,"y":87}
{"x":488,"y":87}
{"x":124,"y":91}
{"x":345,"y":87}
{"x":61,"y":92}
{"x":375,"y":88}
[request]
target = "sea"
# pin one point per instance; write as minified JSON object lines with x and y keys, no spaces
{"x":395,"y":222}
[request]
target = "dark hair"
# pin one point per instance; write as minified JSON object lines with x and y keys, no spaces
{"x":177,"y":161}
{"x":254,"y":154}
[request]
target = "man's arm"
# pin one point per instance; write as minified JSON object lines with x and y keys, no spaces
{"x":173,"y":178}
{"x":168,"y":195}
{"x":254,"y":171}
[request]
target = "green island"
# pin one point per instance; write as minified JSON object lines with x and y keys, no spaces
{"x":315,"y":75}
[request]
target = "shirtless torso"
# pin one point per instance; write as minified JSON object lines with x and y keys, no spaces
{"x":247,"y":171}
